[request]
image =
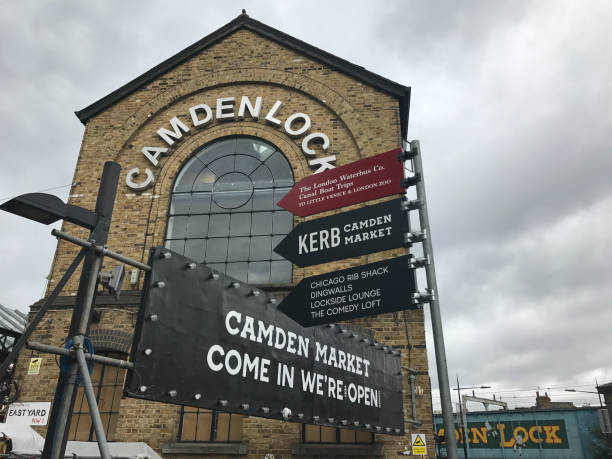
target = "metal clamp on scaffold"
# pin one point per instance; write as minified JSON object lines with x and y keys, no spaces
{"x":410,"y":181}
{"x":420,"y":262}
{"x":423,"y":297}
{"x":407,"y":155}
{"x":413,"y":204}
{"x":415,"y":236}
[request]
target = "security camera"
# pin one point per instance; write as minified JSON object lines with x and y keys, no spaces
{"x":286,"y":413}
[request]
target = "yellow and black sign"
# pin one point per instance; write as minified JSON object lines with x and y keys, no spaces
{"x":35,"y":363}
{"x":419,"y":444}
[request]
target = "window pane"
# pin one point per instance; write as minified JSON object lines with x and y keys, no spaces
{"x":110,"y":375}
{"x":279,"y":166}
{"x":80,"y":400}
{"x":280,"y":271}
{"x":278,"y":195}
{"x":238,"y":249}
{"x":216,"y":250}
{"x":312,"y":434}
{"x":105,"y":418}
{"x":177,"y":246}
{"x":246,"y":164}
{"x":180,"y":203}
{"x":364,"y":437}
{"x":197,"y":226}
{"x":204,"y":425}
{"x":106,"y":398}
{"x":347,"y":436}
{"x":240,"y":224}
{"x":262,"y":223}
{"x":282,"y":222}
{"x":112,"y":426}
{"x":200,"y":203}
{"x":235,"y":427}
{"x":73,"y":426}
{"x":260,"y":248}
{"x":262,"y":177}
{"x":219,"y":225}
{"x":217,"y":150}
{"x":238,"y":271}
{"x":188,"y":432}
{"x":275,"y":241}
{"x":204,"y":181}
{"x":235,"y":199}
{"x":217,"y":266}
{"x":254,"y":148}
{"x":188,"y":174}
{"x":195,"y":249}
{"x":328,"y":434}
{"x":177,"y":227}
{"x":83,"y":428}
{"x":223,"y":420}
{"x":259,"y":272}
{"x":117,"y":396}
{"x":263,"y":200}
{"x":222,"y":165}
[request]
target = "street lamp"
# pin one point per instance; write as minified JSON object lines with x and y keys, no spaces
{"x":587,"y":392}
{"x":47,"y":208}
{"x":464,"y":420}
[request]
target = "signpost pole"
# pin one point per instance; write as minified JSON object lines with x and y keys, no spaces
{"x":436,"y":320}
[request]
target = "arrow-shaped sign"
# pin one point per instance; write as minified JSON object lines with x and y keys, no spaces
{"x":360,"y":181}
{"x":367,"y":290}
{"x":350,"y":234}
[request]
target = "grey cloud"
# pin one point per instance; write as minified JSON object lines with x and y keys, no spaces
{"x":510,"y":102}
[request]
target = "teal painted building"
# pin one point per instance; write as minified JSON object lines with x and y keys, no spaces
{"x":572,"y":433}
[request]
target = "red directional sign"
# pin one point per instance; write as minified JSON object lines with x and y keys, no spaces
{"x":369,"y":178}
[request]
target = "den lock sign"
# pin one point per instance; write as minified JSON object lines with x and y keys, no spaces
{"x":204,"y":339}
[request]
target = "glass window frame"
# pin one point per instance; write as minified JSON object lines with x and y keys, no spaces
{"x":338,"y":431}
{"x":81,"y":411}
{"x":215,"y":418}
{"x":264,"y":215}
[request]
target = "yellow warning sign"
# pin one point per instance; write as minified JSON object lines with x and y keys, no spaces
{"x":419,"y":444}
{"x":35,"y":364}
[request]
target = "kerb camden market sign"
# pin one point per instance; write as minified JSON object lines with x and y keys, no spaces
{"x":203,"y":339}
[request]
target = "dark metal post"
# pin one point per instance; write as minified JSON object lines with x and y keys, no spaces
{"x":434,"y":308}
{"x":463,"y":422}
{"x":596,"y":387}
{"x":63,"y":403}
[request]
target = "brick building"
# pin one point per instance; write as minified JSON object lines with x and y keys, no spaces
{"x":286,"y":110}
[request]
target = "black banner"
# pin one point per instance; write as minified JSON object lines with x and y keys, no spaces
{"x":349,"y":234}
{"x":204,"y":339}
{"x":366,"y":290}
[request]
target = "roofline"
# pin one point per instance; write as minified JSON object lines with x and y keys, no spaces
{"x":402,"y":93}
{"x":527,"y":410}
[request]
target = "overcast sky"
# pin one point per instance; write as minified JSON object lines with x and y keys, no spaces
{"x":510,"y":100}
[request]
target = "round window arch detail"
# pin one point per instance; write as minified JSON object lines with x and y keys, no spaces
{"x":223,"y":209}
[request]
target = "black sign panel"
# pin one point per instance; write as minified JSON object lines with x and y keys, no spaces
{"x":349,"y":234}
{"x":366,"y":290}
{"x":204,"y":339}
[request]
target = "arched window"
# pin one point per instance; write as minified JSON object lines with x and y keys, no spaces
{"x":223,"y":210}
